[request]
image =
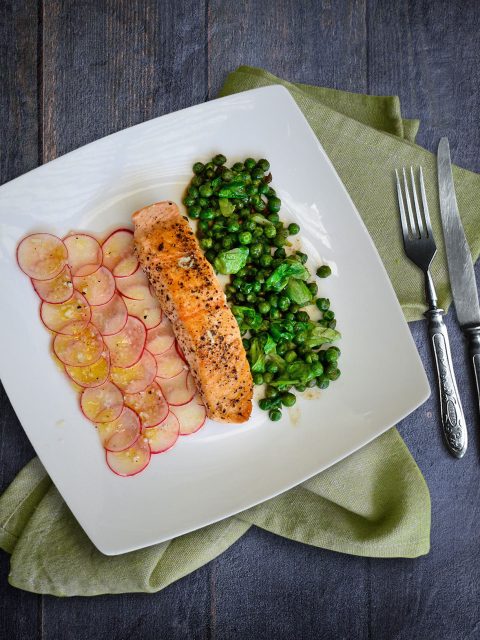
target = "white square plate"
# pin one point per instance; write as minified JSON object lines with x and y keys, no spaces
{"x":222,"y":469}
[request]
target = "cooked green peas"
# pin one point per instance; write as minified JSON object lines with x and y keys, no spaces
{"x":323,"y":304}
{"x":267,"y":377}
{"x":283,"y":302}
{"x":266,"y":260}
{"x":257,"y":378}
{"x":264,"y":165}
{"x":227,"y":175}
{"x":219,"y":159}
{"x":301,"y":257}
{"x":313,"y":288}
{"x":272,"y":367}
{"x":332,"y":372}
{"x":263,"y":308}
{"x":256,"y":173}
{"x":323,"y":381}
{"x":324,"y":271}
{"x":207,"y":214}
{"x":194,"y":212}
{"x":293,"y":229}
{"x":290,"y":356}
{"x":270,"y":231}
{"x":188,"y":201}
{"x":328,"y":315}
{"x":275,"y":415}
{"x":330,"y":355}
{"x":300,"y":387}
{"x":245,"y":237}
{"x":206,"y":243}
{"x":237,"y":167}
{"x":249,"y":164}
{"x":233,"y":227}
{"x":271,"y":392}
{"x":288,"y":399}
{"x":198,"y":167}
{"x":274,"y":204}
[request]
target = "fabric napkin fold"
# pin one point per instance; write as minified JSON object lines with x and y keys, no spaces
{"x":375,"y":502}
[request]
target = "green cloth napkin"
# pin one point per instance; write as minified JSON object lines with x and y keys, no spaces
{"x":375,"y":502}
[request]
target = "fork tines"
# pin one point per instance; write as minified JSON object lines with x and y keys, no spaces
{"x":414,"y":226}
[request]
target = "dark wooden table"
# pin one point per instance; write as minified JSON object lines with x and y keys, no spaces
{"x":75,"y":70}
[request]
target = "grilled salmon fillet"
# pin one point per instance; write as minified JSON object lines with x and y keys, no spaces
{"x":192,"y":298}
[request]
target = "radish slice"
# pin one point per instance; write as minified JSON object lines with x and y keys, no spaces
{"x":69,"y":317}
{"x":191,"y":386}
{"x":118,"y":253}
{"x":136,"y":378}
{"x":111,"y":317}
{"x":191,"y":417}
{"x":84,"y":254}
{"x":92,"y":375}
{"x":161,"y":338}
{"x":132,"y":460}
{"x":169,"y":364}
{"x":41,"y":256}
{"x":55,"y":290}
{"x":179,"y":351}
{"x":127,"y":345}
{"x":163,"y":436}
{"x":149,"y":404}
{"x":80,"y":350}
{"x":175,"y":389}
{"x":147,"y":310}
{"x":103,"y":403}
{"x":121,"y":433}
{"x":98,"y":288}
{"x":134,"y":286}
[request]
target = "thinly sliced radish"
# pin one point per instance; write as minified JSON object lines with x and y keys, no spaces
{"x":118,"y":253}
{"x":179,"y":351}
{"x":84,"y":254}
{"x":161,"y":338}
{"x":133,"y":286}
{"x":132,"y":460}
{"x":191,"y":386}
{"x":126,"y":346}
{"x":191,"y":417}
{"x":120,"y":434}
{"x":175,"y":389}
{"x":69,"y":317}
{"x":103,"y":403}
{"x":80,"y":350}
{"x":163,"y":436}
{"x":111,"y":317}
{"x":41,"y":256}
{"x":169,"y":364}
{"x":92,"y":375}
{"x":137,"y":377}
{"x":56,"y":290}
{"x":98,"y":287}
{"x":149,"y":404}
{"x":147,"y":310}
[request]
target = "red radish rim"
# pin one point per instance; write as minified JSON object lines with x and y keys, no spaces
{"x":176,"y":404}
{"x":178,"y":349}
{"x":185,"y":435}
{"x":43,"y":234}
{"x":128,"y":475}
{"x":112,"y":233}
{"x":180,"y":422}
{"x":33,"y":280}
{"x":61,"y":332}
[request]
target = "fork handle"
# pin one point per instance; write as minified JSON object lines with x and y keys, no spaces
{"x":453,"y":420}
{"x":473,"y":335}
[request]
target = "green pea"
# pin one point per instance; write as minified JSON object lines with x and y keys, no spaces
{"x":328,"y":315}
{"x":209,"y":166}
{"x":301,"y":257}
{"x":256,"y":287}
{"x":206,"y":190}
{"x":256,"y":250}
{"x":302,"y":316}
{"x":322,"y":381}
{"x":245,"y":237}
{"x":203,"y":225}
{"x":293,"y":229}
{"x":267,"y":377}
{"x":290,"y":356}
{"x":246,"y":344}
{"x":281,"y":349}
{"x":249,"y":225}
{"x":294,"y":308}
{"x":194,"y":212}
{"x":270,"y":231}
{"x":275,"y":314}
{"x":264,"y":308}
{"x":227,"y":175}
{"x":274,"y":218}
{"x":216,"y":183}
{"x":198,"y":167}
{"x":233,"y":227}
{"x":265,"y":326}
{"x":193,"y":192}
{"x":332,"y":324}
{"x":219,"y":159}
{"x":330,"y":356}
{"x":283,"y":302}
{"x":210,"y":255}
{"x":266,"y":260}
{"x":206,"y":243}
{"x":300,"y":337}
{"x":188,"y":201}
{"x":300,"y":387}
{"x":207,"y":214}
{"x":274,"y":204}
{"x":323,"y":304}
{"x":257,"y":378}
{"x":237,"y":167}
{"x":263,"y":164}
{"x":289,"y":316}
{"x":273,"y":300}
{"x":203,"y":202}
{"x":313,"y":288}
{"x":252,"y":190}
{"x":272,"y":367}
{"x":196,"y":181}
{"x":279,"y":240}
{"x":249,"y":164}
{"x":324,"y":271}
{"x":332,"y":372}
{"x":263,"y":188}
{"x":256,"y":173}
{"x":275,"y":415}
{"x":271,"y":392}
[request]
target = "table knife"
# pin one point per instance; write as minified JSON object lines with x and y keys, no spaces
{"x":460,"y":265}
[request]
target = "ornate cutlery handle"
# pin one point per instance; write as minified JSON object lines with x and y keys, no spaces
{"x":453,"y":420}
{"x":473,"y":335}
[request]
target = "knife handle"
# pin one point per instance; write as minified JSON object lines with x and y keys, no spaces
{"x":453,"y":420}
{"x":473,"y":335}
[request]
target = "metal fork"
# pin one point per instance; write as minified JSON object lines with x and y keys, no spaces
{"x":420,"y":248}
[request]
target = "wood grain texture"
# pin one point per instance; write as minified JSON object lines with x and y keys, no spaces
{"x":75,"y":70}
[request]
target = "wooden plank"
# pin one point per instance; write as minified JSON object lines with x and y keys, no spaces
{"x":20,"y":612}
{"x":428,"y":54}
{"x":314,"y":42}
{"x":109,"y":65}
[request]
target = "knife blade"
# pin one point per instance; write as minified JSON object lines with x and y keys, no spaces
{"x":460,"y":265}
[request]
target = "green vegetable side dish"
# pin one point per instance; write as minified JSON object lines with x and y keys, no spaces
{"x":270,"y":288}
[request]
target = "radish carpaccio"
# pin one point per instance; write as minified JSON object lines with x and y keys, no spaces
{"x":114,"y":343}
